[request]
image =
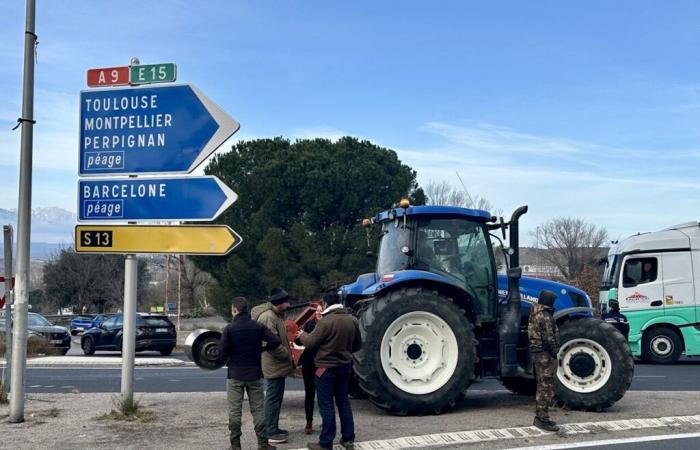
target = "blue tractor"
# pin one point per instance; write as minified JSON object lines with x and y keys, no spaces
{"x":435,"y":316}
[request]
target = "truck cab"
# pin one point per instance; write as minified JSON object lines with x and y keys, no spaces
{"x":655,"y":277}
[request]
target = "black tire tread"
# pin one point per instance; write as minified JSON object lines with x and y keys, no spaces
{"x":620,"y":354}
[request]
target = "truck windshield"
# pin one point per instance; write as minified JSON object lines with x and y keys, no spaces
{"x":391,"y":258}
{"x":610,"y":273}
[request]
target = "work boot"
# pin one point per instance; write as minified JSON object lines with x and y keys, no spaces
{"x":316,"y":446}
{"x":277,"y":439}
{"x":308,"y":429}
{"x":235,"y":444}
{"x":546,"y":425}
{"x":281,"y":431}
{"x":347,"y":445}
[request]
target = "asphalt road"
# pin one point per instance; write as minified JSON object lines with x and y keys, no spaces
{"x":684,"y":376}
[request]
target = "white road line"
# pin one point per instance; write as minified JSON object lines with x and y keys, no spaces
{"x":475,"y":436}
{"x":660,"y":437}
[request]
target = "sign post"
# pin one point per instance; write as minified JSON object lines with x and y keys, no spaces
{"x":142,"y":130}
{"x":129,"y":331}
{"x":7,"y":236}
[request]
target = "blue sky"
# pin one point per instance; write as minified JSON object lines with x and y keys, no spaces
{"x":586,"y":108}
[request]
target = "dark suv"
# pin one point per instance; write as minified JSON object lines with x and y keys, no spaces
{"x":153,"y":332}
{"x":58,"y":338}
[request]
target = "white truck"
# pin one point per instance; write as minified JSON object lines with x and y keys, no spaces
{"x":656,"y":279}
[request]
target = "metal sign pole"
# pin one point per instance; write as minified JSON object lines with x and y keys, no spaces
{"x":19,"y":348}
{"x":129,"y":334}
{"x":7,"y":233}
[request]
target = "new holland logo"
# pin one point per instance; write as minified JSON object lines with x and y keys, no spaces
{"x":637,"y":297}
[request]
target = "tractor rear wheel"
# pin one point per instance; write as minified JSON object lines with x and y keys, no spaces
{"x":595,"y":365}
{"x":418,"y":352}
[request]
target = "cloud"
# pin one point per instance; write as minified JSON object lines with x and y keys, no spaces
{"x":318,"y":132}
{"x":626,"y":190}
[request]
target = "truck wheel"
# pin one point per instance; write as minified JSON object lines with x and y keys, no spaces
{"x":595,"y":365}
{"x":520,"y":385}
{"x":661,"y":346}
{"x":418,"y":352}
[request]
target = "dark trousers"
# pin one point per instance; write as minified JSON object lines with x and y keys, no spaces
{"x":545,"y":373}
{"x":308,"y":371}
{"x":274,"y":392}
{"x":234,"y":393}
{"x":332,"y":385}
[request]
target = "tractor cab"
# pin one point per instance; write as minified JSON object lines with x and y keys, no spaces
{"x":451,"y":243}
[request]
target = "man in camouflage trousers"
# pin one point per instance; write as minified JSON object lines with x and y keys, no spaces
{"x":544,"y":346}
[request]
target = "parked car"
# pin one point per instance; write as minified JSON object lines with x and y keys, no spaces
{"x":80,"y":324}
{"x":99,"y":318}
{"x":38,"y":327}
{"x":153,"y":332}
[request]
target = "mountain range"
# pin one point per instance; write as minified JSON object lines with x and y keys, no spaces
{"x":52,"y":229}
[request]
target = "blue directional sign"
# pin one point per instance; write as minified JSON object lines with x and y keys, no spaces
{"x":149,"y":130}
{"x":153,"y":199}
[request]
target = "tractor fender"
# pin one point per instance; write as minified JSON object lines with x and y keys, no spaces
{"x":393,"y":280}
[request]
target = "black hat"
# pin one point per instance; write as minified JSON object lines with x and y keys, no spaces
{"x":613,"y":304}
{"x":278,"y":296}
{"x":547,"y":298}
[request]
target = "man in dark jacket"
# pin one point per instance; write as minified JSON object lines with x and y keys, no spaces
{"x":544,"y":346}
{"x":615,"y":318}
{"x":335,"y":338}
{"x":242,"y":343}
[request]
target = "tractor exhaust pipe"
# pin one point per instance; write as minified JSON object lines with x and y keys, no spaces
{"x":509,"y":326}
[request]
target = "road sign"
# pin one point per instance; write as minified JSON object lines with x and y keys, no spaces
{"x":153,"y":73}
{"x":155,"y":199}
{"x":108,"y":76}
{"x":177,"y":239}
{"x":149,"y":130}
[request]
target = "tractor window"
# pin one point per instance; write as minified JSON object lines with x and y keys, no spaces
{"x":391,"y":258}
{"x":458,"y":248}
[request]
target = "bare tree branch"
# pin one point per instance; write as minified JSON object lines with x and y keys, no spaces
{"x":569,"y":243}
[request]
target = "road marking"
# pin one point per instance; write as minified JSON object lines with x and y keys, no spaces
{"x":660,"y":437}
{"x":475,"y":436}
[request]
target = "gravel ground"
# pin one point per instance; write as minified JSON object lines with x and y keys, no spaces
{"x":198,"y":420}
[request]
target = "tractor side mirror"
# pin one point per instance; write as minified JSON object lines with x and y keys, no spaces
{"x":515,"y":273}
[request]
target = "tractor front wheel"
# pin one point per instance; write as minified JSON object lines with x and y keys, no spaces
{"x":418,"y":352}
{"x":595,"y":365}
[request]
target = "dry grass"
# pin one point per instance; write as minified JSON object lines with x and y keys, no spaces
{"x":127,"y":411}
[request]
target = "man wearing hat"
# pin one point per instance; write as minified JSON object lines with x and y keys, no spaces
{"x":615,"y":318}
{"x":275,"y":371}
{"x":544,"y":346}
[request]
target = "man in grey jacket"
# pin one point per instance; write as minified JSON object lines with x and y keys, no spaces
{"x":275,"y":370}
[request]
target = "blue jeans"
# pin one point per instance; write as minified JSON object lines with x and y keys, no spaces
{"x":332,"y":385}
{"x":274,"y":392}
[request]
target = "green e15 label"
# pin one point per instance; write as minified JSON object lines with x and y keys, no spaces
{"x":153,"y":73}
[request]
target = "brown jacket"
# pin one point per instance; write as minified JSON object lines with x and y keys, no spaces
{"x":335,"y":338}
{"x":278,"y":364}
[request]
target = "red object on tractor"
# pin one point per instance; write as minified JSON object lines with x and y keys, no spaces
{"x":298,"y":323}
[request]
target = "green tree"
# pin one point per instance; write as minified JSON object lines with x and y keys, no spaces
{"x":94,"y":281}
{"x":299,"y":211}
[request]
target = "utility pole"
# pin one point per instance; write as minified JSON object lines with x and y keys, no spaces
{"x":24,"y":214}
{"x":179,"y":289}
{"x":167,"y":281}
{"x":7,"y":233}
